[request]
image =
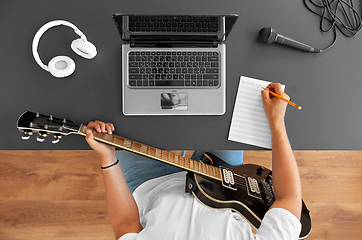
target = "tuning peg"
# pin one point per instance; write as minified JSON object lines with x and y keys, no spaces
{"x":41,"y":137}
{"x":26,"y":135}
{"x":56,"y":139}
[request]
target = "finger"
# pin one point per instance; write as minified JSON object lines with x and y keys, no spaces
{"x":91,"y":124}
{"x":109,"y":128}
{"x":89,"y":138}
{"x":275,"y":87}
{"x":278,"y":89}
{"x":286,"y":96}
{"x":94,"y":125}
{"x":271,"y":86}
{"x":89,"y":135}
{"x":102,"y":126}
{"x":265,"y":95}
{"x":112,"y":126}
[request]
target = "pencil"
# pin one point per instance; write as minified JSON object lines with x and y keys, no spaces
{"x":286,"y":100}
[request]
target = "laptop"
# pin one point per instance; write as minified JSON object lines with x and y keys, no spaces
{"x":174,"y":64}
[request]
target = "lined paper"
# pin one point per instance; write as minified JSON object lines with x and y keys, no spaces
{"x":249,"y":123}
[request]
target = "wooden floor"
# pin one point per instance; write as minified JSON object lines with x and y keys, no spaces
{"x":60,"y":194}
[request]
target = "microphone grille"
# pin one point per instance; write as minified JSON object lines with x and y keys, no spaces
{"x":267,"y":35}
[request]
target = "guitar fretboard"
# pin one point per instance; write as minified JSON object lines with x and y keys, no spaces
{"x":155,"y":153}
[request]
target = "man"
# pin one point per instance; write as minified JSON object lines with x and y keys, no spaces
{"x":160,"y":209}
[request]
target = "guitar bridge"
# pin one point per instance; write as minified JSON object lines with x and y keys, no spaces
{"x":269,"y":191}
{"x":228,"y":178}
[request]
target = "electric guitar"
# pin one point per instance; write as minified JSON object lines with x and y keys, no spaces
{"x":246,"y":189}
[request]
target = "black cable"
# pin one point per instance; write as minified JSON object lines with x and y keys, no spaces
{"x":336,"y":14}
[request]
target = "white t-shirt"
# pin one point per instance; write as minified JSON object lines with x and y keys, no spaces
{"x":167,"y":212}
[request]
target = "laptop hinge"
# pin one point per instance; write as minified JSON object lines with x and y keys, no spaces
{"x":133,"y":42}
{"x":168,"y":44}
{"x":179,"y":41}
{"x":214,"y":43}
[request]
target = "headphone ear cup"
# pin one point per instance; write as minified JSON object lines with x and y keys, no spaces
{"x":84,"y":48}
{"x":61,"y":66}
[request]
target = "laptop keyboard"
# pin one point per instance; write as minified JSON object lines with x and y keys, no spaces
{"x":140,"y":23}
{"x":180,"y":69}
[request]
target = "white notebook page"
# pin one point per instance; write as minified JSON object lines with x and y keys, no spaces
{"x":249,"y":123}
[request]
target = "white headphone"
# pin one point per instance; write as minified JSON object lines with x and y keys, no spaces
{"x":63,"y":66}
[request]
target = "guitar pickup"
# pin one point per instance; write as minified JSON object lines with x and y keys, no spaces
{"x":253,"y":184}
{"x":228,"y":178}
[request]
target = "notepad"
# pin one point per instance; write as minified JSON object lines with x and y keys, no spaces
{"x":249,"y":123}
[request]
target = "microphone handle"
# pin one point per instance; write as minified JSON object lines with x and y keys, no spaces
{"x":295,"y":44}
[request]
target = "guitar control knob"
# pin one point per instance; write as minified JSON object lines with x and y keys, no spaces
{"x":269,"y":179}
{"x":260,"y":171}
{"x":41,"y":137}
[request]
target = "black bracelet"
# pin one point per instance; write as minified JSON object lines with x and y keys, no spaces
{"x":111,"y":165}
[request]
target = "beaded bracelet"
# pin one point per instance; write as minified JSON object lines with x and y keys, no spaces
{"x":111,"y":165}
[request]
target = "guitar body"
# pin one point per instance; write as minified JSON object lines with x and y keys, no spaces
{"x":252,"y":206}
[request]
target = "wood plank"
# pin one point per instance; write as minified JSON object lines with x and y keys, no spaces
{"x":49,"y":176}
{"x":54,"y":219}
{"x":52,"y":195}
{"x":60,"y":194}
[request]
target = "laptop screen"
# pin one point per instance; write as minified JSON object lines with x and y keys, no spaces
{"x":181,"y":28}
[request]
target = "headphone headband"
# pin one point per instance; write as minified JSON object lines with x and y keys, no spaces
{"x":43,"y":29}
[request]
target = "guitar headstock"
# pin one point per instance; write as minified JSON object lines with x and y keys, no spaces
{"x":30,"y":122}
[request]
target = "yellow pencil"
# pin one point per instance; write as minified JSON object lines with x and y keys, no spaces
{"x":286,"y":100}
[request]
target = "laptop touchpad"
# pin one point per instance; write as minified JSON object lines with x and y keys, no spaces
{"x":174,"y":101}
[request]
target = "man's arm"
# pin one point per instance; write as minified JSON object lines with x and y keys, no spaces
{"x":286,"y":179}
{"x":121,"y":206}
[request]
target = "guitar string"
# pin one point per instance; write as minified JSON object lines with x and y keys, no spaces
{"x":238,"y":180}
{"x":242,"y":182}
{"x":191,"y":163}
{"x":260,"y":189}
{"x":202,"y":167}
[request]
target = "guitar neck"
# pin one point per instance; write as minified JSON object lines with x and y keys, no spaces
{"x":155,"y":153}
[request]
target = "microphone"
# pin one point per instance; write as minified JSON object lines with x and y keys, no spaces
{"x":269,"y":35}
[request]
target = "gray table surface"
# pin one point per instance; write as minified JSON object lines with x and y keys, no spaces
{"x":327,"y":85}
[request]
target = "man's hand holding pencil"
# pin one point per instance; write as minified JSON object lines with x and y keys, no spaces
{"x":275,"y":102}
